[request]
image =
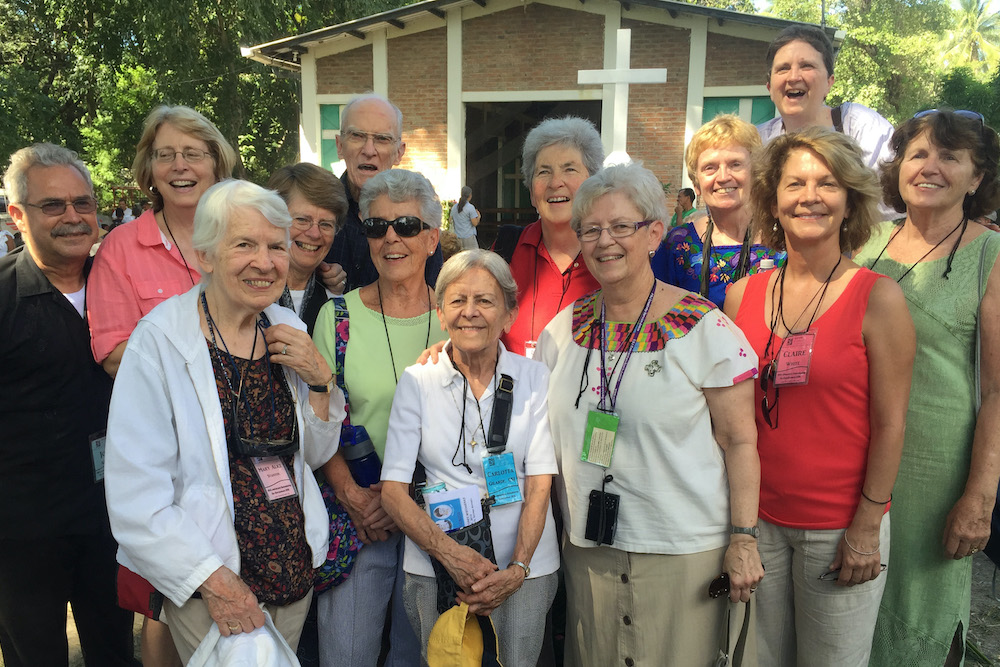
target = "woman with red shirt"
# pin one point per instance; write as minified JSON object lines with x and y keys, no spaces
{"x":836,"y":347}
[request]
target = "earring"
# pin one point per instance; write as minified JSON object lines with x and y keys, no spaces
{"x":774,"y":227}
{"x":843,"y":227}
{"x":972,"y":194}
{"x":651,"y":253}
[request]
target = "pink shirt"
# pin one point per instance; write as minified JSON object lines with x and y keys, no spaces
{"x":133,"y":272}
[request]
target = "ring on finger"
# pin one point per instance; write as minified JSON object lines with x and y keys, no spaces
{"x":235,"y":627}
{"x":284,"y":350}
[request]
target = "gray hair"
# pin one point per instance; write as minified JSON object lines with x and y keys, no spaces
{"x":487,"y":260}
{"x":15,"y":180}
{"x":578,"y":133}
{"x":222,"y":202}
{"x":401,"y":185}
{"x":639,"y":185}
{"x":345,"y":113}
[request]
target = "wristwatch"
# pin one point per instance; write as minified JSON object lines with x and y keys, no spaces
{"x":752,"y":531}
{"x":523,"y":566}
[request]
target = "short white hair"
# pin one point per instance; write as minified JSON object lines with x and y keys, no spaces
{"x":222,"y":202}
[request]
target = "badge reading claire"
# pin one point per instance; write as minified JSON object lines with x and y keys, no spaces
{"x":599,"y":438}
{"x":794,"y":358}
{"x":501,"y":478}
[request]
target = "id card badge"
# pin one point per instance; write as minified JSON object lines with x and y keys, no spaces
{"x":274,"y":477}
{"x":599,"y":438}
{"x":501,"y":478}
{"x":529,"y":348}
{"x":794,"y":359}
{"x":98,"y":443}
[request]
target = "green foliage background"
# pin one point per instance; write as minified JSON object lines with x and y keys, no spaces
{"x":85,"y":73}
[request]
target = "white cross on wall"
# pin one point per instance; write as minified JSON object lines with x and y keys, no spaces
{"x":620,"y":77}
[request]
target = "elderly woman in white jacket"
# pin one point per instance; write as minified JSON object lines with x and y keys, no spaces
{"x":220,"y":404}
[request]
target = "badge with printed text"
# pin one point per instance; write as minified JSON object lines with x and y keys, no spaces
{"x":794,"y":359}
{"x":501,"y":478}
{"x":98,"y":444}
{"x":529,"y":348}
{"x":599,"y":438}
{"x":274,"y":477}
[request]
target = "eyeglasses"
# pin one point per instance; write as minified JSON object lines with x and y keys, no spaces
{"x":834,"y":575}
{"x":262,"y":448}
{"x":58,"y":206}
{"x":190,"y":155}
{"x":618,"y":230}
{"x":769,"y":408}
{"x":406,"y":226}
{"x":304,"y":224}
{"x":964,"y":113}
{"x":358,"y":138}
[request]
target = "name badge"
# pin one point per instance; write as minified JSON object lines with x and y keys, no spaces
{"x":794,"y":360}
{"x":501,"y":478}
{"x":599,"y":438}
{"x":98,"y":445}
{"x":274,"y":477}
{"x":529,"y":348}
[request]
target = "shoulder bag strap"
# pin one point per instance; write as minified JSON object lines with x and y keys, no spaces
{"x":979,"y":317}
{"x":503,"y":406}
{"x":838,"y":118}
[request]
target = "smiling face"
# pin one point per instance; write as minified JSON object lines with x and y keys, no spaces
{"x":359,"y":145}
{"x":398,"y":258}
{"x":474,"y":313}
{"x":559,"y":171}
{"x":179,"y":182}
{"x":799,"y":84}
{"x":621,"y":261}
{"x":932,"y":177}
{"x":53,"y":240}
{"x":309,"y":246}
{"x":249,"y":265}
{"x":723,"y":177}
{"x":811,"y":204}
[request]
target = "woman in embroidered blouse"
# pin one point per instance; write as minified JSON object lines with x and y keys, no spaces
{"x":440,"y":417}
{"x":317,"y":203}
{"x":824,"y":510}
{"x":718,"y":161}
{"x":387,"y":324}
{"x":683,"y":472}
{"x":221,"y":406}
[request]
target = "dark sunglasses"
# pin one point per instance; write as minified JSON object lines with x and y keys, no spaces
{"x":719,"y":586}
{"x":769,"y":408}
{"x":406,"y":226}
{"x":264,"y":448}
{"x":964,"y":113}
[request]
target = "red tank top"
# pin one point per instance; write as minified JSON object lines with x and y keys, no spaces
{"x":812,"y":467}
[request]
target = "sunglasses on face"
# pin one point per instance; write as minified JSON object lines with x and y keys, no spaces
{"x":406,"y":226}
{"x":58,"y":206}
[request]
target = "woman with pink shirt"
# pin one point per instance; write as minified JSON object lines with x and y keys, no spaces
{"x":138,"y":266}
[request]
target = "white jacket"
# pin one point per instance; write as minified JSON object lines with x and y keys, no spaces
{"x":170,"y":499}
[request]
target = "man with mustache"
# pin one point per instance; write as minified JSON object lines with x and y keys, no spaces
{"x":55,"y":542}
{"x":370,"y":141}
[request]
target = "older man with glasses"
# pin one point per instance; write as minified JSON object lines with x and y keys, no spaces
{"x":370,"y":142}
{"x":55,"y":542}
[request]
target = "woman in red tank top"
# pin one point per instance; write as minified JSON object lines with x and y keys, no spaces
{"x":836,"y":346}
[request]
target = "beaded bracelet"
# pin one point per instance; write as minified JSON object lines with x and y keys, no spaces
{"x":877,"y":502}
{"x":860,"y":553}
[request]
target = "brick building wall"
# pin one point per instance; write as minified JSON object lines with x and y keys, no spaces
{"x":345,"y":73}
{"x":733,"y":61}
{"x":536,"y":47}
{"x":418,"y":85}
{"x":657,"y":112}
